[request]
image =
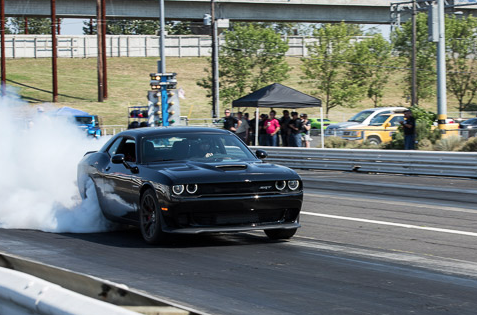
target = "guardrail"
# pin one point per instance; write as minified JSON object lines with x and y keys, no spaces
{"x":30,"y":287}
{"x":461,"y":164}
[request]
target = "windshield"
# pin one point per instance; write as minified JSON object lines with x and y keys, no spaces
{"x":84,"y":120}
{"x":361,"y":116}
{"x":203,"y":147}
{"x":378,"y":120}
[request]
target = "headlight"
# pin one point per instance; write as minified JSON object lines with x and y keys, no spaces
{"x":178,"y":189}
{"x":280,"y":184}
{"x":293,"y":184}
{"x":354,"y":133}
{"x":192,"y":188}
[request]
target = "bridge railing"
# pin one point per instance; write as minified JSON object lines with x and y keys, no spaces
{"x":461,"y":164}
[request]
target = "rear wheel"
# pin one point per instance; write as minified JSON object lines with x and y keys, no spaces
{"x":280,"y":234}
{"x":374,"y":140}
{"x":150,"y":219}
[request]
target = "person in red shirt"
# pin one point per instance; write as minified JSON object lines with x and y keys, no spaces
{"x":272,"y":127}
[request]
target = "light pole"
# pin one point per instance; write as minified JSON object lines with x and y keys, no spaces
{"x":441,"y":69}
{"x":215,"y":62}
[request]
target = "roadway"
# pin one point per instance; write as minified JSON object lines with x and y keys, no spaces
{"x":358,"y":252}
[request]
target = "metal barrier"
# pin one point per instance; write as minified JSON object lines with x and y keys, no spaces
{"x":461,"y":164}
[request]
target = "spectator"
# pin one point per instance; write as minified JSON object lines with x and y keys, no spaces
{"x":272,"y":127}
{"x":230,"y":123}
{"x":242,"y":128}
{"x":295,"y":130}
{"x":284,"y":129}
{"x":262,"y":133}
{"x":305,"y":129}
{"x":409,"y":128}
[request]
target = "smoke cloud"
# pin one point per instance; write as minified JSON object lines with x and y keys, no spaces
{"x":39,"y":155}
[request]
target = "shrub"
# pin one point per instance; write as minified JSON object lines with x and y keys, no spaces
{"x":453,"y":143}
{"x":335,"y":142}
{"x":425,"y":145}
{"x":470,"y":145}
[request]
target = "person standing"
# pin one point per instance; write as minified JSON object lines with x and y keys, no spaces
{"x":409,"y":128}
{"x":305,"y":129}
{"x":230,"y":122}
{"x":284,"y":129}
{"x":262,"y":133}
{"x":272,"y":127}
{"x":242,"y":128}
{"x":295,"y":130}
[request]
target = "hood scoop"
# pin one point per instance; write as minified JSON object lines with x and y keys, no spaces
{"x":233,"y":167}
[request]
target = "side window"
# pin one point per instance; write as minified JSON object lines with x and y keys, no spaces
{"x":395,"y":121}
{"x":114,"y":147}
{"x":128,"y":148}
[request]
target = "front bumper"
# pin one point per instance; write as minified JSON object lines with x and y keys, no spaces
{"x":233,"y":213}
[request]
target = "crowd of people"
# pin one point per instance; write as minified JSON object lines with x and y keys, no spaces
{"x":290,"y":130}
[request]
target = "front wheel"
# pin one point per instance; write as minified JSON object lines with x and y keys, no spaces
{"x":150,"y":219}
{"x":280,"y":234}
{"x":374,"y":140}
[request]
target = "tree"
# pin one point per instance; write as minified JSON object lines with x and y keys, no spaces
{"x":35,"y":25}
{"x":461,"y":38}
{"x":425,"y":57}
{"x":327,"y":66}
{"x":252,"y":57}
{"x":371,"y":61}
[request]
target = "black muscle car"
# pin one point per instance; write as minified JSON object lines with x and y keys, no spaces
{"x":191,"y":180}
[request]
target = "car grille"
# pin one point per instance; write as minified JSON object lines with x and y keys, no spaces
{"x":258,"y":216}
{"x":236,"y":188}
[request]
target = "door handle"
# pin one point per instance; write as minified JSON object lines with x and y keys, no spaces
{"x":108,"y":168}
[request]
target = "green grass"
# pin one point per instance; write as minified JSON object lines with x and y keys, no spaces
{"x":128,"y":83}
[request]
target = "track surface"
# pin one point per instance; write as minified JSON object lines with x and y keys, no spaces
{"x":357,"y":253}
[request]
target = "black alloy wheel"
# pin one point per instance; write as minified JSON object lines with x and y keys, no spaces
{"x":280,"y":234}
{"x":150,"y":219}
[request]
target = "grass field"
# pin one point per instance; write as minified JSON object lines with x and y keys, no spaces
{"x":128,"y":83}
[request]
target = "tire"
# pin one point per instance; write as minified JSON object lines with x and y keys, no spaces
{"x":280,"y":234}
{"x":150,"y":219}
{"x":374,"y":140}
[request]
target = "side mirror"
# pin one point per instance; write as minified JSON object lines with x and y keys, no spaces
{"x":386,"y":125}
{"x":261,"y":154}
{"x":117,"y":159}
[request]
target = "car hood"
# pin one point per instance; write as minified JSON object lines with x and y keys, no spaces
{"x":343,"y":125}
{"x":197,"y":172}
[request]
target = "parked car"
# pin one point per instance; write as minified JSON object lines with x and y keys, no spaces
{"x":191,"y":180}
{"x":380,"y":129}
{"x":361,"y":119}
{"x":468,"y":128}
{"x":316,"y":123}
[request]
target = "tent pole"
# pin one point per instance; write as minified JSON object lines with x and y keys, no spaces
{"x":256,"y":126}
{"x":322,"y":133}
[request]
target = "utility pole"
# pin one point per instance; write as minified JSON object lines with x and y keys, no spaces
{"x":2,"y":39}
{"x":54,"y":51}
{"x":413,"y":57}
{"x":441,"y":69}
{"x":99,"y":31}
{"x":103,"y":42}
{"x":215,"y":62}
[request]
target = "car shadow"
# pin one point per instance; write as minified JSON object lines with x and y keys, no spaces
{"x":131,"y":238}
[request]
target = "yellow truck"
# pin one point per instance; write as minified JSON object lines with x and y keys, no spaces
{"x":382,"y":127}
{"x":379,"y":130}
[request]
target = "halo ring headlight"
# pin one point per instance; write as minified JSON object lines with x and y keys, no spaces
{"x":280,"y":184}
{"x":178,"y":189}
{"x":192,"y":188}
{"x":293,"y":184}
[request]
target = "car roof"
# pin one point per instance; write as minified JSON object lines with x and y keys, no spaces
{"x":148,"y":131}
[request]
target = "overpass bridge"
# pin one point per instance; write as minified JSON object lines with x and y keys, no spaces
{"x":315,"y":11}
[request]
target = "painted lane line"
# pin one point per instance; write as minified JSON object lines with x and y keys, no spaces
{"x":408,"y":226}
{"x":433,"y":206}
